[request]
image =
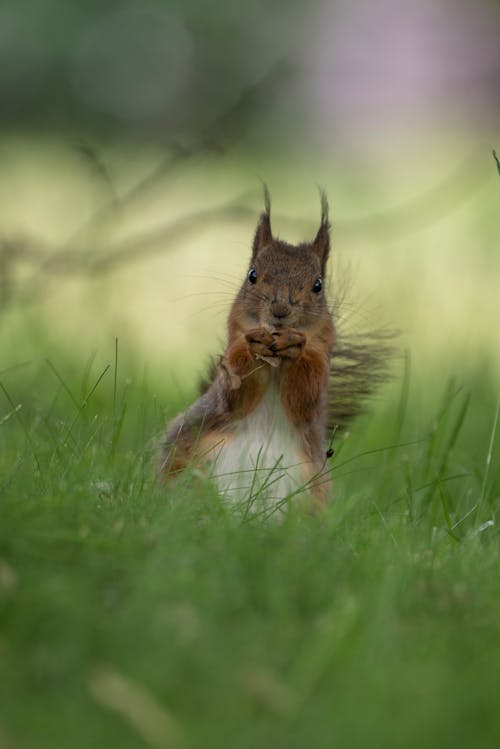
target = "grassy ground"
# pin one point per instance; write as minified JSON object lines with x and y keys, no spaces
{"x":135,"y":616}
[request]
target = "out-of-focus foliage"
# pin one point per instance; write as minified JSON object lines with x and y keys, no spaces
{"x":146,"y":67}
{"x":133,"y":136}
{"x":173,"y":67}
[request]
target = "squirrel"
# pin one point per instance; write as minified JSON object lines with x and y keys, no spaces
{"x":260,"y":428}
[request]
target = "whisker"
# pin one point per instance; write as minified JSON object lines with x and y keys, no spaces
{"x":234,"y":281}
{"x":222,"y":308}
{"x":192,"y":294}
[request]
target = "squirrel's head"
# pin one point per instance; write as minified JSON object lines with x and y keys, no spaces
{"x":285,"y":283}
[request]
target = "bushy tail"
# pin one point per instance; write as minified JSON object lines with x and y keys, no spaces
{"x":360,"y":364}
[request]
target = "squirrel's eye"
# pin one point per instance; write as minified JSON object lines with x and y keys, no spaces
{"x":252,"y":275}
{"x":318,"y":285}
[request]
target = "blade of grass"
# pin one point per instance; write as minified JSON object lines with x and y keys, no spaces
{"x":449,"y":395}
{"x":8,"y":415}
{"x":95,"y":386}
{"x":118,"y":426}
{"x":85,"y":402}
{"x":488,"y":460}
{"x":25,"y":429}
{"x":115,"y":378}
{"x":446,"y":512}
{"x":378,"y":450}
{"x":62,"y":382}
{"x":443,"y":466}
{"x":86,"y":374}
{"x":403,"y":397}
{"x":428,"y":485}
{"x":388,"y":471}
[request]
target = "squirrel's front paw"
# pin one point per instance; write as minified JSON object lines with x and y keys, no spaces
{"x":259,"y":342}
{"x":288,"y":343}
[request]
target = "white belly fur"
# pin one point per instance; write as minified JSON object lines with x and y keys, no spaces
{"x":262,"y":462}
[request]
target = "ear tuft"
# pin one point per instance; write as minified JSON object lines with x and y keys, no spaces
{"x":324,"y":209}
{"x":321,"y":243}
{"x":263,"y":233}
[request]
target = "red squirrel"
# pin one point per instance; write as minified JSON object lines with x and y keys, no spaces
{"x":260,"y":428}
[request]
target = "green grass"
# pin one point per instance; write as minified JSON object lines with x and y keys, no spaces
{"x":137,"y":616}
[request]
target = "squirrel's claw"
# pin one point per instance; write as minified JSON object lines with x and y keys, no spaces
{"x":272,"y":360}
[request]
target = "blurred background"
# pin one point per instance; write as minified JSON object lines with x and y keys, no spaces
{"x":134,"y":138}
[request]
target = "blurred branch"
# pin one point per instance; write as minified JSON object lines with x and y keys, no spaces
{"x":101,"y":259}
{"x":224,"y":129}
{"x":85,"y":254}
{"x":97,"y":167}
{"x":68,"y":259}
{"x":497,"y":161}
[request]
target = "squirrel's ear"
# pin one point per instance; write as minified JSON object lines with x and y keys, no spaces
{"x":321,"y":242}
{"x":263,"y":233}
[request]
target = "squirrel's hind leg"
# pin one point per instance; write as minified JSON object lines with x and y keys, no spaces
{"x":191,"y":440}
{"x":176,"y":449}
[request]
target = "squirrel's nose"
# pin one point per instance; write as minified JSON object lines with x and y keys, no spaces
{"x":279,"y":309}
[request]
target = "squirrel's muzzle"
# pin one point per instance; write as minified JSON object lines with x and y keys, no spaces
{"x":280,"y":310}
